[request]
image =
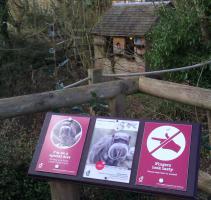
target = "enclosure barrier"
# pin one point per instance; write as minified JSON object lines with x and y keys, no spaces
{"x":115,"y":91}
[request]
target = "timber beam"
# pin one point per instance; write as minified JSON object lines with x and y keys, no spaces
{"x":21,"y":105}
{"x":185,"y":94}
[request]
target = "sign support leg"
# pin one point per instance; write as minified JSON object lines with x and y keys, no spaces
{"x":64,"y":191}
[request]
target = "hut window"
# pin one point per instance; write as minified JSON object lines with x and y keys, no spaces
{"x":140,"y":45}
{"x":118,"y":45}
{"x":139,"y":41}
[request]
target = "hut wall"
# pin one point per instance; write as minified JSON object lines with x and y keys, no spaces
{"x":99,"y":51}
{"x":117,"y":62}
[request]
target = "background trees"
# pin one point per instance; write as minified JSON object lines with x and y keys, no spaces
{"x":182,"y":37}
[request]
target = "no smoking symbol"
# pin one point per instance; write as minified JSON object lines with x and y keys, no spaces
{"x":166,"y":143}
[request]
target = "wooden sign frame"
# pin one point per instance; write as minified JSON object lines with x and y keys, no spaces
{"x":192,"y":176}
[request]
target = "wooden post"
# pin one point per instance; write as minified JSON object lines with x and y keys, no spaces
{"x":117,"y":106}
{"x":95,"y":75}
{"x":64,"y":191}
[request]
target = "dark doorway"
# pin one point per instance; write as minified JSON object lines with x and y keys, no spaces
{"x":129,"y":49}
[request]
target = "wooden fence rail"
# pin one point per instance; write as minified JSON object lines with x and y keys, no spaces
{"x":186,"y":94}
{"x":21,"y":105}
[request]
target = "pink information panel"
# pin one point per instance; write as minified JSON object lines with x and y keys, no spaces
{"x":63,"y":144}
{"x":164,"y":157}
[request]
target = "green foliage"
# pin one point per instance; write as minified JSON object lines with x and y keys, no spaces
{"x":17,"y":65}
{"x":177,"y":41}
{"x":17,"y":145}
{"x":99,"y":106}
{"x":93,"y":193}
{"x":15,"y":184}
{"x":33,"y":31}
{"x":175,"y":33}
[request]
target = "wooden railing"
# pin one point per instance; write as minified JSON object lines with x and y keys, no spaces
{"x":115,"y":91}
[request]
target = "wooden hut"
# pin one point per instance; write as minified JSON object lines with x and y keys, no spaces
{"x":119,"y":36}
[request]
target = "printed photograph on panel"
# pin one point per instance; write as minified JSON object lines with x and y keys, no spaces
{"x":112,"y":149}
{"x":66,"y":133}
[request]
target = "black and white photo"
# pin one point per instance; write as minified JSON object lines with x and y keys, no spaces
{"x":112,"y":149}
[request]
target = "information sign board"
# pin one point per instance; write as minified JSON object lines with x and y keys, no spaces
{"x":130,"y":154}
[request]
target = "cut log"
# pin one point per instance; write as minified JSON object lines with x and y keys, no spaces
{"x":21,"y":105}
{"x":194,"y":96}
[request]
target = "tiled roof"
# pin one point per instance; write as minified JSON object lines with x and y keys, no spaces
{"x":127,"y":20}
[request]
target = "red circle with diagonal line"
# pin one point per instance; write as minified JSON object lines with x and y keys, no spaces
{"x":166,"y":143}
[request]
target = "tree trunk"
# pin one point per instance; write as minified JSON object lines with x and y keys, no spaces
{"x":205,"y":29}
{"x":3,"y":22}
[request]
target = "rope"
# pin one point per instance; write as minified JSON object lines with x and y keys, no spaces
{"x":160,"y":71}
{"x":77,"y":83}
